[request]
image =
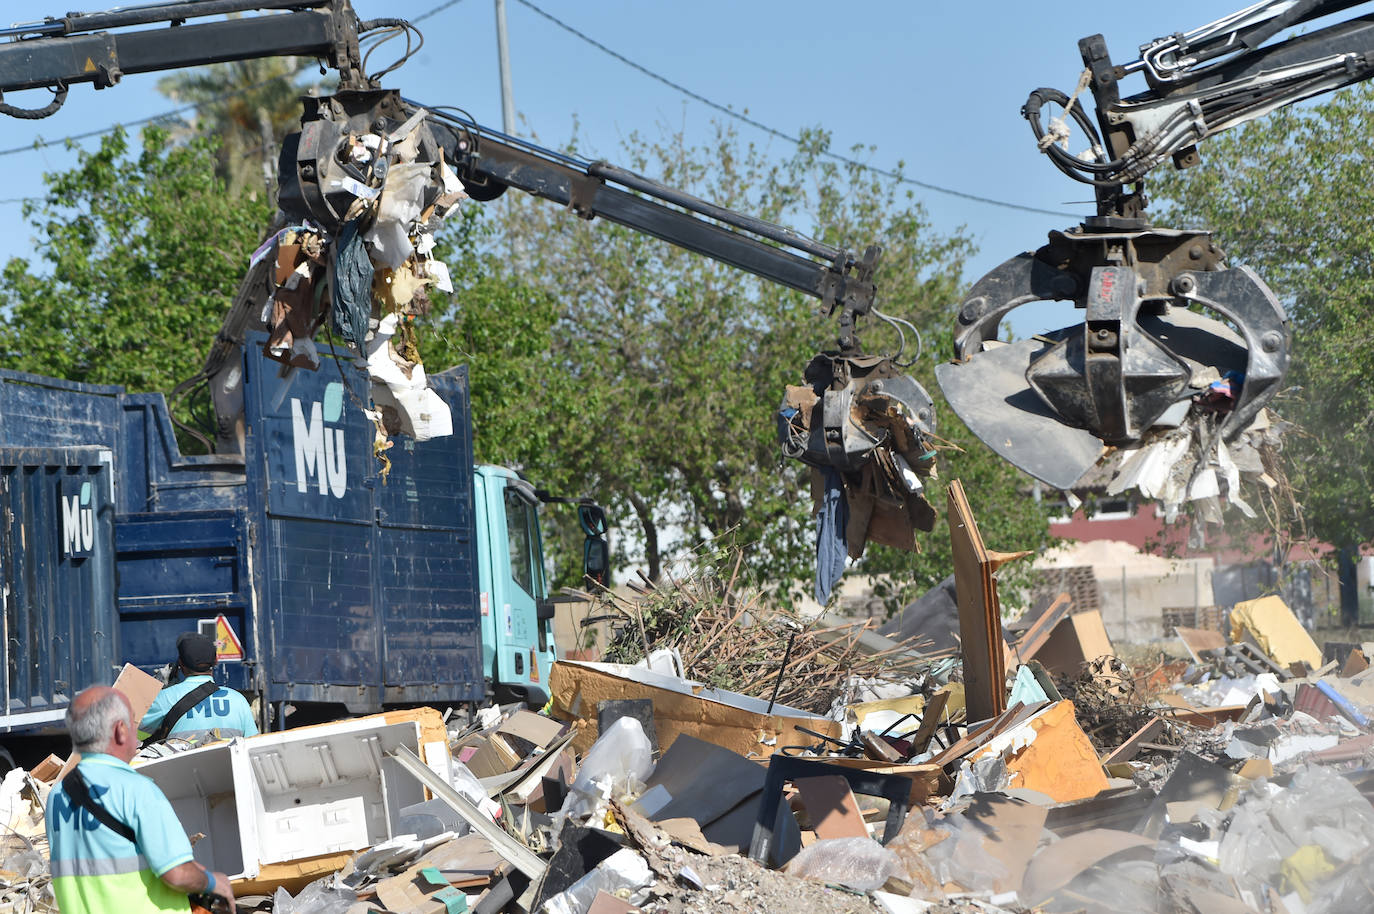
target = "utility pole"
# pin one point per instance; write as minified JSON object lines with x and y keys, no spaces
{"x":503,"y":57}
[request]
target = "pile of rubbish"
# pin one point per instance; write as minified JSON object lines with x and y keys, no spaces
{"x":1038,"y":773}
{"x":714,"y":628}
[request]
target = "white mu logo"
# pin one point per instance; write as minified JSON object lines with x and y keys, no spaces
{"x":319,"y":451}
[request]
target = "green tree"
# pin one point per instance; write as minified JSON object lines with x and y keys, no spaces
{"x":139,"y":252}
{"x":669,"y":366}
{"x":1288,"y":196}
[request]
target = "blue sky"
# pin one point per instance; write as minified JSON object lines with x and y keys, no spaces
{"x":937,"y":86}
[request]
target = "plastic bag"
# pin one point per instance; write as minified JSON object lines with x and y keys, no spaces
{"x":466,"y":783}
{"x":617,"y":765}
{"x":322,"y":896}
{"x":624,"y":874}
{"x":861,"y":864}
{"x":962,"y":858}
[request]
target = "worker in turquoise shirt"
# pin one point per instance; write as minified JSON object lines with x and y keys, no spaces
{"x":115,"y":841}
{"x":196,"y":706}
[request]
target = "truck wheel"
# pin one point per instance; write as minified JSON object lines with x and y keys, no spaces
{"x":7,"y":762}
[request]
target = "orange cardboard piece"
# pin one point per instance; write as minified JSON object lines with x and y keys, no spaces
{"x":831,"y":808}
{"x":736,"y":722}
{"x":1055,"y":757}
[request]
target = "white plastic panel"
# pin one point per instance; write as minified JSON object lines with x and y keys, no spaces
{"x":286,"y":796}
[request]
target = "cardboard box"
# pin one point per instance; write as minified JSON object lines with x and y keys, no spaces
{"x":681,"y":706}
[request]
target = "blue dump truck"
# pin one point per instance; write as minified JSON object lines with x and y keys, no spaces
{"x":326,"y":581}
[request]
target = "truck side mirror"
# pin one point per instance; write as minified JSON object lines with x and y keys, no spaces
{"x":596,"y":559}
{"x":592,"y":519}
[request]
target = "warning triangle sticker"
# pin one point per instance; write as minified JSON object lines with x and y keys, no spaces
{"x":90,"y":65}
{"x":227,"y":643}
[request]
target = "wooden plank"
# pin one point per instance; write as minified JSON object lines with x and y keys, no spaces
{"x":1041,"y":629}
{"x":980,"y":613}
{"x":1128,"y":750}
{"x":1197,"y":640}
{"x":930,"y":719}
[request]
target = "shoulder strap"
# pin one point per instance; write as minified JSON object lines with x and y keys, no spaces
{"x":178,"y":710}
{"x":77,"y":789}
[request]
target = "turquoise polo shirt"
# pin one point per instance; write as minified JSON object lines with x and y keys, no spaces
{"x":224,"y":710}
{"x":95,"y":870}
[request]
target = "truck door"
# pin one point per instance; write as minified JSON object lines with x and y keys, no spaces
{"x":524,"y":650}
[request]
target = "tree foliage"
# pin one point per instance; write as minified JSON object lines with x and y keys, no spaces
{"x":139,"y":252}
{"x":603,"y":363}
{"x":663,"y":368}
{"x":1288,"y":196}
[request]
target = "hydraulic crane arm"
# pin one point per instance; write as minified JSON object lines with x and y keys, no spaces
{"x":1199,"y":83}
{"x":57,"y":53}
{"x":489,"y":162}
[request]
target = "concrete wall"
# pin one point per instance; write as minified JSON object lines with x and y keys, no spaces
{"x":1135,"y":587}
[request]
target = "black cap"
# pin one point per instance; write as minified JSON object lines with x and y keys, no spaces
{"x":196,"y":652}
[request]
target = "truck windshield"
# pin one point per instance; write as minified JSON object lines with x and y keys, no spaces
{"x":522,"y":538}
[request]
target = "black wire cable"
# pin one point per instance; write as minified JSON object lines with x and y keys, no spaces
{"x":772,"y":131}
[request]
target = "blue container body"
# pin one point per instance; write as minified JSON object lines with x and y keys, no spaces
{"x":344,"y":584}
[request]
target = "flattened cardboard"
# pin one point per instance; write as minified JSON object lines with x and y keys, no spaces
{"x":413,"y":891}
{"x":703,"y":780}
{"x":737,"y":722}
{"x":1057,"y":865}
{"x":1076,"y":640}
{"x":139,"y":688}
{"x":610,"y":904}
{"x":533,"y":728}
{"x":1197,"y":640}
{"x":1011,"y":834}
{"x":831,"y":808}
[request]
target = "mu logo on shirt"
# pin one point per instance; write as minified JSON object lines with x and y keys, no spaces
{"x":66,"y":811}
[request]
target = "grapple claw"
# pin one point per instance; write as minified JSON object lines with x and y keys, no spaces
{"x":1051,"y":405}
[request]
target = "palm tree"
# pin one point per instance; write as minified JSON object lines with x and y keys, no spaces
{"x":249,"y":105}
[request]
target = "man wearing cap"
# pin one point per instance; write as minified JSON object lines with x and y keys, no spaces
{"x":116,"y":843}
{"x":195,"y":705}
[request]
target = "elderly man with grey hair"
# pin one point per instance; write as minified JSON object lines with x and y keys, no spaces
{"x":116,"y":844}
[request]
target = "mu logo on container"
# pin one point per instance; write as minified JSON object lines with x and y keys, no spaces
{"x":319,"y":446}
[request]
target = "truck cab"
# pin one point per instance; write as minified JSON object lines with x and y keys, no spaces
{"x":517,"y":615}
